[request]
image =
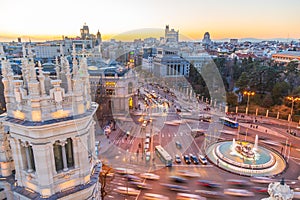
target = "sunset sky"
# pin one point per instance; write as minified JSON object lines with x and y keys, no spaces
{"x":41,"y":20}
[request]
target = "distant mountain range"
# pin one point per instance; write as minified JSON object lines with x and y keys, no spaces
{"x":258,"y":40}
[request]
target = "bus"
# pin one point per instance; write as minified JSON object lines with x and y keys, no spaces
{"x":163,"y":155}
{"x":229,"y":122}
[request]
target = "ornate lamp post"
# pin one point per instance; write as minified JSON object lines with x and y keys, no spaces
{"x":293,"y":99}
{"x":249,"y":93}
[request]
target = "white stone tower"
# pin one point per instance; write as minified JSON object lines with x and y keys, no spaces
{"x":51,"y":131}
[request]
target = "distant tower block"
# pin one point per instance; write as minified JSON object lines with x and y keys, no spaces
{"x":51,"y":132}
{"x":206,"y":41}
{"x":99,"y":38}
{"x":171,"y":35}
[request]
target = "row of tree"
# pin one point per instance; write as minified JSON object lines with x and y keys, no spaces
{"x":271,"y":81}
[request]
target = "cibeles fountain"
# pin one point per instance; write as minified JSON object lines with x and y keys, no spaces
{"x":246,"y":158}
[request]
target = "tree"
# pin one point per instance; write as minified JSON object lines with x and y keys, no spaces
{"x":231,"y":99}
{"x":104,"y":179}
{"x":267,"y":101}
{"x":243,"y":81}
{"x":292,"y":74}
{"x":280,"y":90}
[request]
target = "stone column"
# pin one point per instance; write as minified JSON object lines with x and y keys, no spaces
{"x":267,"y":114}
{"x":45,"y":163}
{"x":64,"y":156}
{"x":256,"y":112}
{"x":277,"y":115}
{"x":27,"y":149}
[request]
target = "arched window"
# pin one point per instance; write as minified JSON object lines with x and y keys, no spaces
{"x":63,"y":150}
{"x":69,"y":152}
{"x":57,"y":150}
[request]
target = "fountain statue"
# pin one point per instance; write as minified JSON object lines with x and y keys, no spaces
{"x":279,"y":191}
{"x":244,"y":149}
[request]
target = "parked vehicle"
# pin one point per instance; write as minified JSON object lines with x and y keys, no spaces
{"x":187,"y":159}
{"x":202,"y":159}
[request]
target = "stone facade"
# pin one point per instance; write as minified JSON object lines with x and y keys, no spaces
{"x":51,"y":132}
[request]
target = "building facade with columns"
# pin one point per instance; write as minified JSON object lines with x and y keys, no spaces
{"x":51,"y":151}
{"x":114,"y":89}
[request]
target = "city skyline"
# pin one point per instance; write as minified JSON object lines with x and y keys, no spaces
{"x":223,"y":19}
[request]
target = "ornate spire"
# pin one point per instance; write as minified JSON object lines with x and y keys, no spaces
{"x":30,"y":54}
{"x":40,"y":68}
{"x":57,"y":69}
{"x":61,"y":50}
{"x":24,"y":51}
{"x":41,"y":79}
{"x":75,"y":63}
{"x":2,"y":54}
{"x":83,"y":50}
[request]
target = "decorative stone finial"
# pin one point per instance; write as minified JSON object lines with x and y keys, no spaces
{"x":61,"y":50}
{"x":2,"y":54}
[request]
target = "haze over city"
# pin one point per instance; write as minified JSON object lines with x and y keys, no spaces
{"x":223,"y":19}
{"x":159,"y":100}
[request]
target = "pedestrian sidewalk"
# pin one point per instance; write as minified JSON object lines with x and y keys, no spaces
{"x":262,"y":129}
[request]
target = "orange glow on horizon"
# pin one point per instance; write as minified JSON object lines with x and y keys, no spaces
{"x":186,"y":34}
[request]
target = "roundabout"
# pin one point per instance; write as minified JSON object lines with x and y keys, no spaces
{"x":246,"y":158}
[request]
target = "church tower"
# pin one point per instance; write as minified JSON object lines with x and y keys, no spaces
{"x":99,"y":38}
{"x":51,"y":131}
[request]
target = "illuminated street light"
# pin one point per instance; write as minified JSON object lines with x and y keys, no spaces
{"x":249,"y":93}
{"x":293,"y":99}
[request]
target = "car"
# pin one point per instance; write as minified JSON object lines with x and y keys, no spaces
{"x":153,"y":196}
{"x":147,"y":140}
{"x":148,"y":156}
{"x":187,"y":159}
{"x":177,"y":188}
{"x":238,"y":192}
{"x":238,"y":182}
{"x":194,"y":159}
{"x":207,"y":183}
{"x":296,"y":195}
{"x":178,"y":179}
{"x":148,"y":135}
{"x":263,"y":190}
{"x":186,"y":173}
{"x":262,"y":180}
{"x":177,"y":158}
{"x":186,"y":196}
{"x":120,"y":170}
{"x":197,"y":132}
{"x":178,"y":145}
{"x":150,"y":176}
{"x":202,"y":159}
{"x":144,"y":124}
{"x":141,"y":185}
{"x":127,"y":190}
{"x":211,"y":194}
{"x":132,"y":178}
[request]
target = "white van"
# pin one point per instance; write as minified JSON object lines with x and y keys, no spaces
{"x":146,"y":147}
{"x":147,"y":140}
{"x":148,"y":135}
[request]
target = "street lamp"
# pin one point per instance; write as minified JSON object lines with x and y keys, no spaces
{"x":293,"y":99}
{"x":249,"y":93}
